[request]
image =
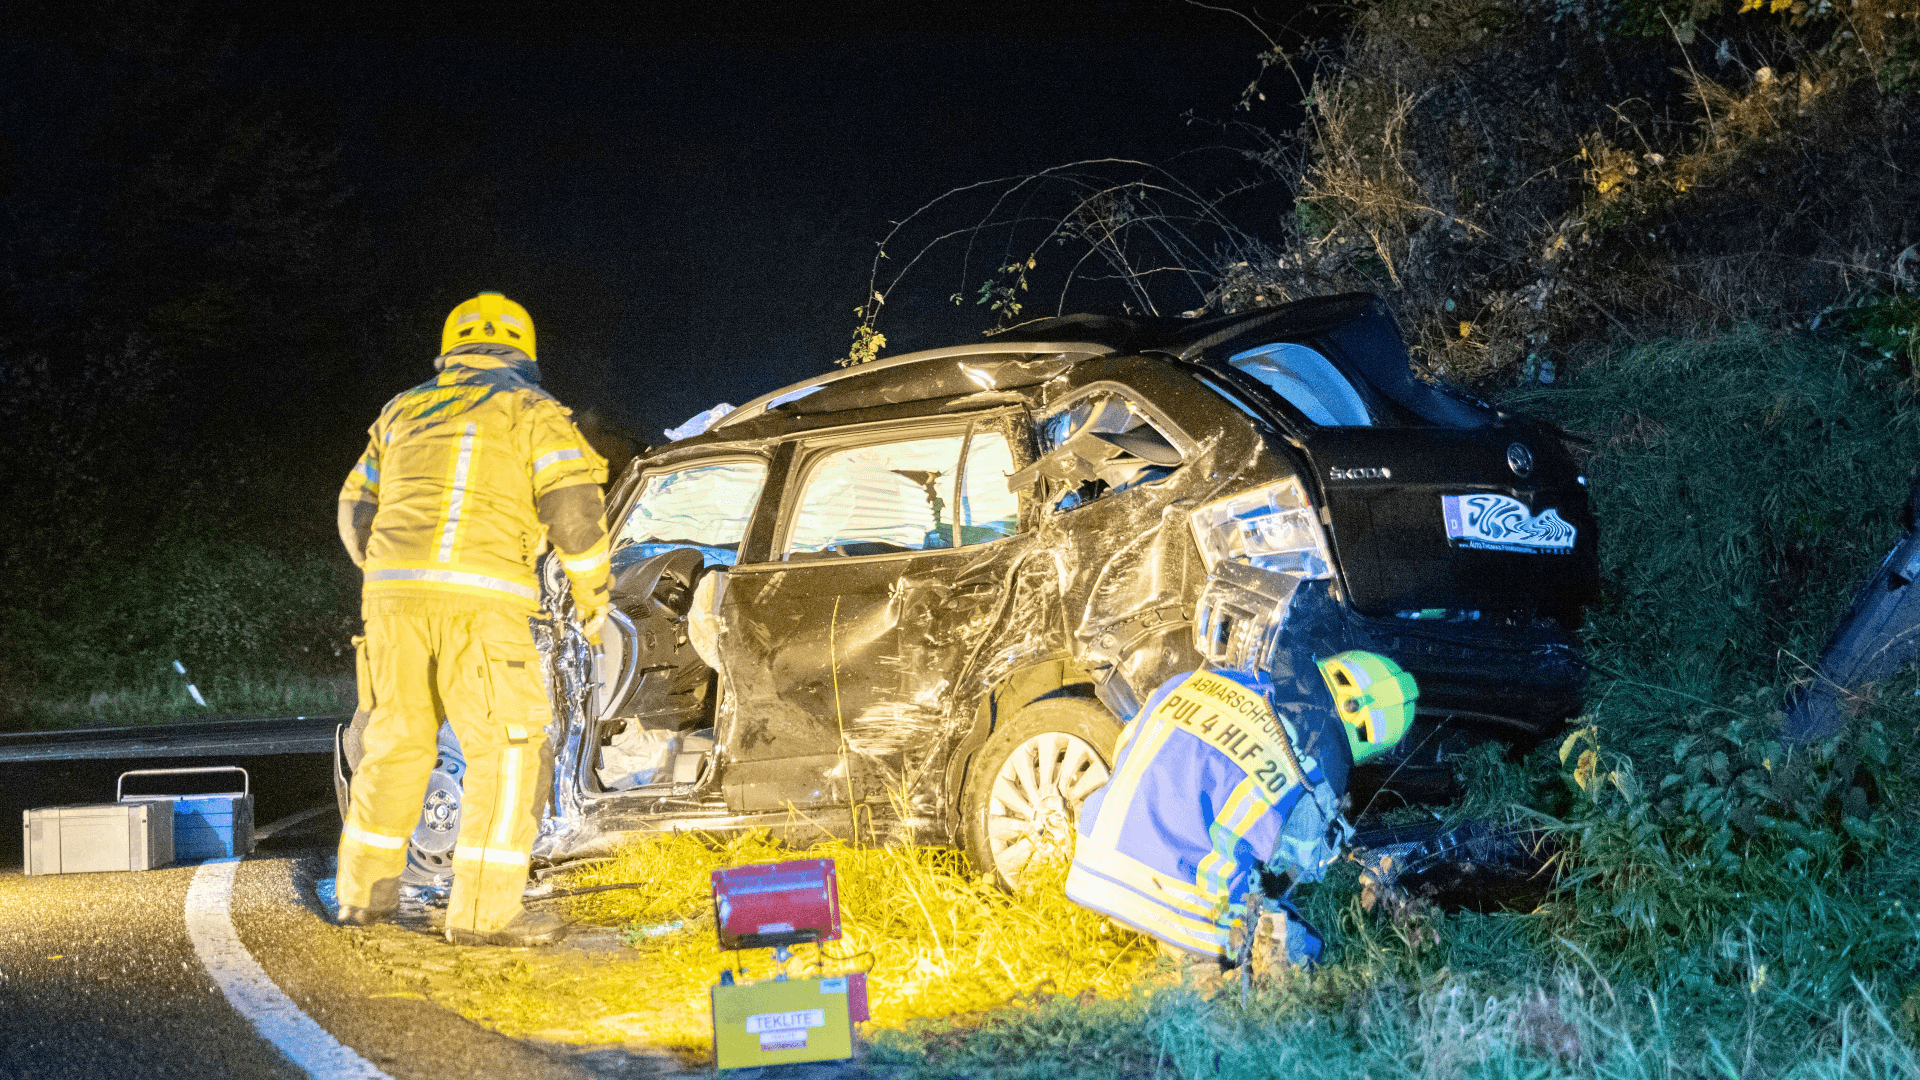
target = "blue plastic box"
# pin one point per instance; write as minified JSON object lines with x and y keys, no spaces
{"x":212,"y":826}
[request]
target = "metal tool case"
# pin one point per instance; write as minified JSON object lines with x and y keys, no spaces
{"x":209,"y":826}
{"x":83,"y":839}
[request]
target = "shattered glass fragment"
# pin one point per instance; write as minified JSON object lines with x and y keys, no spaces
{"x":700,"y":422}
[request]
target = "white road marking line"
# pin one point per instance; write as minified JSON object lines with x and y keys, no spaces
{"x":254,"y":996}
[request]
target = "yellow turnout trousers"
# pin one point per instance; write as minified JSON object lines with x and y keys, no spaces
{"x":479,"y":671}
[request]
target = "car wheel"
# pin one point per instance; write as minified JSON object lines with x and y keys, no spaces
{"x":430,"y":848}
{"x":1021,"y":802}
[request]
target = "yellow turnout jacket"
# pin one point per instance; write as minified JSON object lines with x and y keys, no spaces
{"x":457,"y":467}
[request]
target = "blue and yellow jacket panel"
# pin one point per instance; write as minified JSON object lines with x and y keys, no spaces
{"x":1203,"y":793}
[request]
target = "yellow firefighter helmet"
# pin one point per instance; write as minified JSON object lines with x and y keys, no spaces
{"x":490,"y":319}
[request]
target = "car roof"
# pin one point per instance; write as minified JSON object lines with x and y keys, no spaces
{"x":1020,"y":356}
{"x":1188,"y":338}
{"x":918,"y":376}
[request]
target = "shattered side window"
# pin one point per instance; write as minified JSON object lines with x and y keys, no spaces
{"x":1308,"y":381}
{"x":705,"y":507}
{"x":878,"y":500}
{"x":1098,"y":446}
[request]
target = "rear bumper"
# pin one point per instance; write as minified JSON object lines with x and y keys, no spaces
{"x":1517,"y":682}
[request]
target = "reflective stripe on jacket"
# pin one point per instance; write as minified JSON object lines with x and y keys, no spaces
{"x":1204,"y":793}
{"x":456,"y":466}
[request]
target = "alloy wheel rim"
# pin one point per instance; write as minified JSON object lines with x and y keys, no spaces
{"x":1034,"y":804}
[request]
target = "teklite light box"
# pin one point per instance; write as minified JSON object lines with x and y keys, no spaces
{"x":780,"y":1021}
{"x":771,"y":905}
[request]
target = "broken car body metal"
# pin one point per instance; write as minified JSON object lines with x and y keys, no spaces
{"x":1165,"y":498}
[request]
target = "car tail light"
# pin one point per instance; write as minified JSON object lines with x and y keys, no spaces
{"x":1258,"y":546}
{"x":1273,"y":527}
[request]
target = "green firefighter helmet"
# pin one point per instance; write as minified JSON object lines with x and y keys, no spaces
{"x":1373,"y":696}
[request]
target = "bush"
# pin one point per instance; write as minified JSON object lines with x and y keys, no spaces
{"x":1745,"y":483}
{"x":1888,"y":325}
{"x":258,"y":630}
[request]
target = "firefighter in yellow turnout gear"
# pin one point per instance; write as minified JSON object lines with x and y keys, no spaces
{"x":464,"y":482}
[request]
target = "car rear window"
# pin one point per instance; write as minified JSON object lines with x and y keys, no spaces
{"x":1371,"y":347}
{"x":705,"y":507}
{"x":1355,"y":375}
{"x":1308,"y":381}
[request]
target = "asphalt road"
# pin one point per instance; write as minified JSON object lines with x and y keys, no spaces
{"x":99,"y":978}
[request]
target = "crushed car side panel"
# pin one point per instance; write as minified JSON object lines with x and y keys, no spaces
{"x":1129,"y":573}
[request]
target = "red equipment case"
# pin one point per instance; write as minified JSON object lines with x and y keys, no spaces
{"x":775,"y":904}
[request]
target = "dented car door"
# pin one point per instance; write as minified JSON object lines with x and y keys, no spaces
{"x":886,"y":571}
{"x":1113,"y":514}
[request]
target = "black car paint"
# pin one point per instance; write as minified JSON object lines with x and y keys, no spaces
{"x":865,"y":682}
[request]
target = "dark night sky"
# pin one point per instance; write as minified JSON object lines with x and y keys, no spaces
{"x":230,"y":230}
{"x":689,"y":203}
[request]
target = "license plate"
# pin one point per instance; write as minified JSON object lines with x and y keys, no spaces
{"x":1502,"y":523}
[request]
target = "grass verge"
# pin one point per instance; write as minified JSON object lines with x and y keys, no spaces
{"x":165,"y":699}
{"x":936,"y":939}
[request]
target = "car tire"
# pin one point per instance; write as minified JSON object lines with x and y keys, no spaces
{"x":1060,"y":749}
{"x":430,"y":846}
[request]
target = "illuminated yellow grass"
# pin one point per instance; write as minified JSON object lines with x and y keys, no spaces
{"x":935,"y":938}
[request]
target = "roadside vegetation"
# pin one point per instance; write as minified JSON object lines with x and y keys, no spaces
{"x":196,"y":325}
{"x":1523,"y":180}
{"x":166,"y":503}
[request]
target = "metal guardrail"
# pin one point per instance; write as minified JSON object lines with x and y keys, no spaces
{"x":243,"y":737}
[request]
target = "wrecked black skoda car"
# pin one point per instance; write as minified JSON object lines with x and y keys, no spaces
{"x":924,"y":592}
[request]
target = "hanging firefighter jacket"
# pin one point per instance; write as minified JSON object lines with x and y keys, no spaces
{"x":1220,"y":774}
